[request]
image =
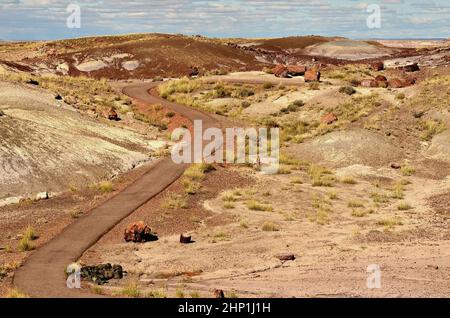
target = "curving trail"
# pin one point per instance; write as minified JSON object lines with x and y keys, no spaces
{"x":42,"y":275}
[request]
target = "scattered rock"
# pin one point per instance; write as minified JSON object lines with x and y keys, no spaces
{"x":286,"y":257}
{"x":410,"y":68}
{"x":369,"y":83}
{"x":329,"y":119}
{"x":112,"y":114}
{"x":296,"y":70}
{"x":381,"y":81}
{"x":395,"y":166}
{"x":401,"y":83}
{"x":100,"y":274}
{"x":193,"y":71}
{"x":312,"y":75}
{"x":280,"y":71}
{"x":139,"y":232}
{"x":418,"y":114}
{"x":377,"y":66}
{"x":218,"y":293}
{"x":185,"y":239}
{"x":32,"y":82}
{"x":2,"y":113}
{"x":42,"y":196}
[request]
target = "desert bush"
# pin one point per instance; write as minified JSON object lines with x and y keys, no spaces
{"x":194,"y":295}
{"x":270,"y":227}
{"x":190,"y":186}
{"x":397,"y":191}
{"x":174,"y":201}
{"x":15,"y":293}
{"x":355,"y":204}
{"x":243,"y":224}
{"x":183,"y":85}
{"x":131,"y":290}
{"x":241,"y":92}
{"x":30,"y":233}
{"x":379,"y":197}
{"x":245,"y":104}
{"x":347,"y":90}
{"x":320,"y":176}
{"x":348,"y":180}
{"x":228,"y":205}
{"x":156,"y":294}
{"x":170,"y":114}
{"x":257,"y":206}
{"x":407,"y":171}
{"x":105,"y":186}
{"x":25,"y":244}
{"x":403,"y":206}
{"x":431,"y":128}
{"x":389,"y":223}
{"x":229,"y":197}
{"x":332,"y":195}
{"x":267,"y":85}
{"x":359,"y":213}
{"x":179,"y":293}
{"x":75,"y":213}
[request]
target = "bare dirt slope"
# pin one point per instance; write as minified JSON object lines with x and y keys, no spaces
{"x":348,"y":50}
{"x":46,"y":145}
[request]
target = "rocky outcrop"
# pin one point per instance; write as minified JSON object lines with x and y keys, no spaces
{"x":377,"y":66}
{"x":328,"y":119}
{"x":139,"y":232}
{"x":193,"y":71}
{"x":280,"y":71}
{"x":112,"y":114}
{"x":414,"y":67}
{"x":101,"y":274}
{"x":312,"y":75}
{"x":381,"y":81}
{"x":369,"y":83}
{"x":296,"y":70}
{"x":401,"y":83}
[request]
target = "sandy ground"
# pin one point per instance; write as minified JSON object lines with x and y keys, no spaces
{"x":331,"y":259}
{"x":371,"y":214}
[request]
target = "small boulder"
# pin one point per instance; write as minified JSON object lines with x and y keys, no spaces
{"x":296,"y":70}
{"x":139,"y":232}
{"x":410,"y":68}
{"x":329,"y":118}
{"x":396,"y":166}
{"x":312,"y":75}
{"x":369,"y":83}
{"x":112,"y":114}
{"x":58,"y":97}
{"x":2,"y":113}
{"x":286,"y":257}
{"x":401,"y":83}
{"x":218,"y":293}
{"x":42,"y":196}
{"x":280,"y":71}
{"x":185,"y":239}
{"x":32,"y":82}
{"x":377,"y":66}
{"x":381,"y":81}
{"x":193,"y":71}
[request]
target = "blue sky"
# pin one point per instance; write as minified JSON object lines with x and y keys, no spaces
{"x":46,"y":19}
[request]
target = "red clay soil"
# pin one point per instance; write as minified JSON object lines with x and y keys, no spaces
{"x":42,"y":275}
